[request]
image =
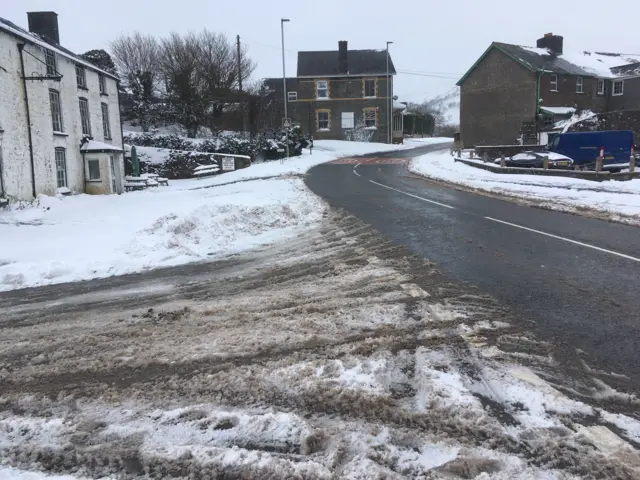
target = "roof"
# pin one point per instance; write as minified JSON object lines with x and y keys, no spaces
{"x":95,"y":146}
{"x":360,"y":62}
{"x":587,"y":64}
{"x":35,"y":39}
{"x":627,"y":70}
{"x":558,"y":110}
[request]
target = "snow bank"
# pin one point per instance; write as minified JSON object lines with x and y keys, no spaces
{"x":615,"y":198}
{"x":99,"y":236}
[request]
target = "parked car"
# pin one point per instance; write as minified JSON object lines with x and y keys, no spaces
{"x":584,"y":147}
{"x":536,"y":160}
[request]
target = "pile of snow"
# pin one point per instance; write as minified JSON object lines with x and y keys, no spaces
{"x":99,"y":236}
{"x":560,"y":193}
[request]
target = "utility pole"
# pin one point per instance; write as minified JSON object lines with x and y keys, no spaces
{"x":389,"y":102}
{"x":284,"y":81}
{"x":242,"y":102}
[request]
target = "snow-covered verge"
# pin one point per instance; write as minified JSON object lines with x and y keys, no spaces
{"x":84,"y":236}
{"x":618,"y":200}
{"x":317,"y":359}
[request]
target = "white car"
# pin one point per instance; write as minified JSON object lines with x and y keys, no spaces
{"x":536,"y":159}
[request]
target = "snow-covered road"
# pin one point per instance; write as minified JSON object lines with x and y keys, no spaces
{"x":335,"y":354}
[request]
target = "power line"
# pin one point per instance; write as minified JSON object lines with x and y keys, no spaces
{"x":404,"y":72}
{"x":432,"y":73}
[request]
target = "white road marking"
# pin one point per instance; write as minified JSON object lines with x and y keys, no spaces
{"x":414,"y":196}
{"x":354,"y":169}
{"x":611,"y":252}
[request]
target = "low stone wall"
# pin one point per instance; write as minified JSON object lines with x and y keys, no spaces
{"x":494,"y":151}
{"x":585,"y":175}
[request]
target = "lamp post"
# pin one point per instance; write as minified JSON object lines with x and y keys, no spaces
{"x":389,"y":102}
{"x":284,"y":82}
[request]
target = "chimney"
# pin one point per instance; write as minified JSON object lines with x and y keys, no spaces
{"x":552,"y":42}
{"x":45,"y":24}
{"x":343,"y":64}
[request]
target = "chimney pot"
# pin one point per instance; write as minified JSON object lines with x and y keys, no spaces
{"x":553,"y":43}
{"x":45,"y":24}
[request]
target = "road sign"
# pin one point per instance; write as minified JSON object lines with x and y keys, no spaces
{"x":228,"y":164}
{"x":286,"y":123}
{"x":304,"y":143}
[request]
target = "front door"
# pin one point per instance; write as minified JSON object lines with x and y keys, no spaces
{"x":112,"y":169}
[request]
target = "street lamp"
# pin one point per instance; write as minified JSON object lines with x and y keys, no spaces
{"x":284,"y":83}
{"x":390,"y":102}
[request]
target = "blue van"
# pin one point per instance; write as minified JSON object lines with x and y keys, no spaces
{"x":584,"y":147}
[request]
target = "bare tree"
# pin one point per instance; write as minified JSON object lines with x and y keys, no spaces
{"x":136,"y":57}
{"x":202,"y":77}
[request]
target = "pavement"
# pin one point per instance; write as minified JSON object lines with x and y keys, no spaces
{"x":574,"y":280}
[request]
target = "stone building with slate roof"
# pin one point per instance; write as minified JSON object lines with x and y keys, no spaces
{"x":336,"y":90}
{"x":513,"y":90}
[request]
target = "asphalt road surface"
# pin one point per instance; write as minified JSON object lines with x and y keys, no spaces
{"x":575,"y":280}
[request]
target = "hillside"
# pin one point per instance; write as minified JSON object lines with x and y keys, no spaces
{"x":448,"y":107}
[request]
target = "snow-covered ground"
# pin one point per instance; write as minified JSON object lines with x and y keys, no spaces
{"x":82,"y":237}
{"x":618,"y":200}
{"x":319,"y":358}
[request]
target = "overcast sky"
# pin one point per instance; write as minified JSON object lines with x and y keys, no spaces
{"x":438,"y":38}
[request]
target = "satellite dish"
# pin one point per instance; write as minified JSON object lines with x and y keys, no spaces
{"x":395,"y":97}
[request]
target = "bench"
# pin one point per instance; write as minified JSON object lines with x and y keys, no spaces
{"x":157,"y":178}
{"x":205,"y":170}
{"x":138,"y":183}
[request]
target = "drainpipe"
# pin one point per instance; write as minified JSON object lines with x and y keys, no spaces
{"x":1,"y":182}
{"x":26,"y":103}
{"x":122,"y":173}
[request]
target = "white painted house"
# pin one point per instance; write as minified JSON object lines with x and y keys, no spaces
{"x":51,"y":103}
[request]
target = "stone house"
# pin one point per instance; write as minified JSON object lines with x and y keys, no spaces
{"x":335,"y":91}
{"x":515,"y":93}
{"x":60,"y":129}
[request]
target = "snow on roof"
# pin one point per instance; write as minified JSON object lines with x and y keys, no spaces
{"x":95,"y":146}
{"x":14,"y":29}
{"x":559,"y":110}
{"x":399,"y":106}
{"x":592,"y":63}
{"x":564,"y":125}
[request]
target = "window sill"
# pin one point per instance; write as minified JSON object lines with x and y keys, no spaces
{"x":617,"y":94}
{"x":579,"y":93}
{"x":93,"y":181}
{"x":61,"y":134}
{"x":600,"y":94}
{"x":102,"y":94}
{"x":370,"y":128}
{"x":83,"y":88}
{"x":324,"y":129}
{"x":108,"y":139}
{"x":554,"y":91}
{"x":370,"y":98}
{"x":322,"y":98}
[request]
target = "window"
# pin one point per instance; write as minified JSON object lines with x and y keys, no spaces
{"x":554,"y":83}
{"x":548,"y":120}
{"x":50,"y":61}
{"x":292,"y":96}
{"x":103,"y":84}
{"x":600,"y":87}
{"x":84,"y":116}
{"x":369,"y":87}
{"x":61,"y":167}
{"x":370,"y":117}
{"x":618,"y":88}
{"x":81,"y":77}
{"x":56,"y":112}
{"x":348,"y":119}
{"x":579,"y":85}
{"x":323,"y":119}
{"x":322,"y":89}
{"x":106,"y":126}
{"x":94,"y":169}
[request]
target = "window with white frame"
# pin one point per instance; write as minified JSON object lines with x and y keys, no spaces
{"x":50,"y":62}
{"x":348,"y":119}
{"x":322,"y":89}
{"x":601,"y":87}
{"x":323,"y":119}
{"x":103,"y":84}
{"x":292,"y":96}
{"x":553,"y":79}
{"x":106,"y":126}
{"x":579,"y":85}
{"x":84,"y":116}
{"x":93,"y":167}
{"x":370,"y":117}
{"x":618,"y":88}
{"x":370,"y":87}
{"x":61,"y":167}
{"x":81,"y":77}
{"x":56,"y":111}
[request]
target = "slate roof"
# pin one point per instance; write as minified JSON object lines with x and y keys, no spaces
{"x":587,"y":64}
{"x":14,"y":29}
{"x":359,"y":62}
